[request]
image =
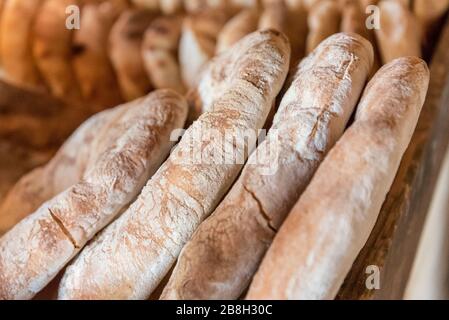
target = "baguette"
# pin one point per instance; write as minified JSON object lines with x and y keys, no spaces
{"x":91,"y":61}
{"x":159,"y":52}
{"x":292,"y":22}
{"x":236,"y":28}
{"x":52,"y":50}
{"x":323,"y":234}
{"x":311,"y":117}
{"x":198,"y":40}
{"x":399,"y":34}
{"x":16,"y":43}
{"x":37,"y":248}
{"x":132,"y":256}
{"x":353,"y":21}
{"x":353,"y":18}
{"x":125,"y":43}
{"x":323,"y":21}
{"x":65,"y":169}
{"x":428,"y":12}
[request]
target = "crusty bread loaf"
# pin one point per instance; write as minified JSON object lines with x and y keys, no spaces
{"x":132,"y":255}
{"x":323,"y":234}
{"x":52,"y":49}
{"x":91,"y":61}
{"x":323,"y":21}
{"x":125,"y":41}
{"x":37,"y":248}
{"x":399,"y":34}
{"x":198,"y":40}
{"x":311,"y":117}
{"x":237,"y":27}
{"x":160,"y":52}
{"x":16,"y":43}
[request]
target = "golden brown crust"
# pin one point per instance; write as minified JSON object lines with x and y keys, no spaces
{"x":91,"y":61}
{"x":198,"y":41}
{"x":16,"y":43}
{"x":399,"y":34}
{"x":429,"y":12}
{"x":160,"y":52}
{"x":323,"y":234}
{"x":125,"y":43}
{"x":323,"y":21}
{"x":236,"y":28}
{"x":52,"y":50}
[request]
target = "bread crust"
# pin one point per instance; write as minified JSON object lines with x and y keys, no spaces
{"x":323,"y":21}
{"x":17,"y":22}
{"x":160,"y":52}
{"x":198,"y":40}
{"x":429,"y":12}
{"x":93,"y":68}
{"x":242,"y":24}
{"x":233,"y":240}
{"x":130,"y":258}
{"x":125,"y":42}
{"x":52,"y":50}
{"x":37,"y":248}
{"x":400,"y":33}
{"x":327,"y":228}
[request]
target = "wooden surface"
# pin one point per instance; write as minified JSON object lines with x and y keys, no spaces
{"x":394,"y":240}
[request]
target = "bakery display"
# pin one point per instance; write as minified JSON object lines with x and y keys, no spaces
{"x":196,"y":149}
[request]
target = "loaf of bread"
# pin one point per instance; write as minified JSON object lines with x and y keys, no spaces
{"x":429,"y":12}
{"x":17,"y":23}
{"x":353,"y":18}
{"x":243,"y":23}
{"x":91,"y":61}
{"x":198,"y":41}
{"x":160,"y":53}
{"x":125,"y":43}
{"x":133,"y":254}
{"x":323,"y":234}
{"x":36,"y":249}
{"x":293,"y":22}
{"x":311,"y":117}
{"x":399,"y":34}
{"x":323,"y":21}
{"x":52,"y":49}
